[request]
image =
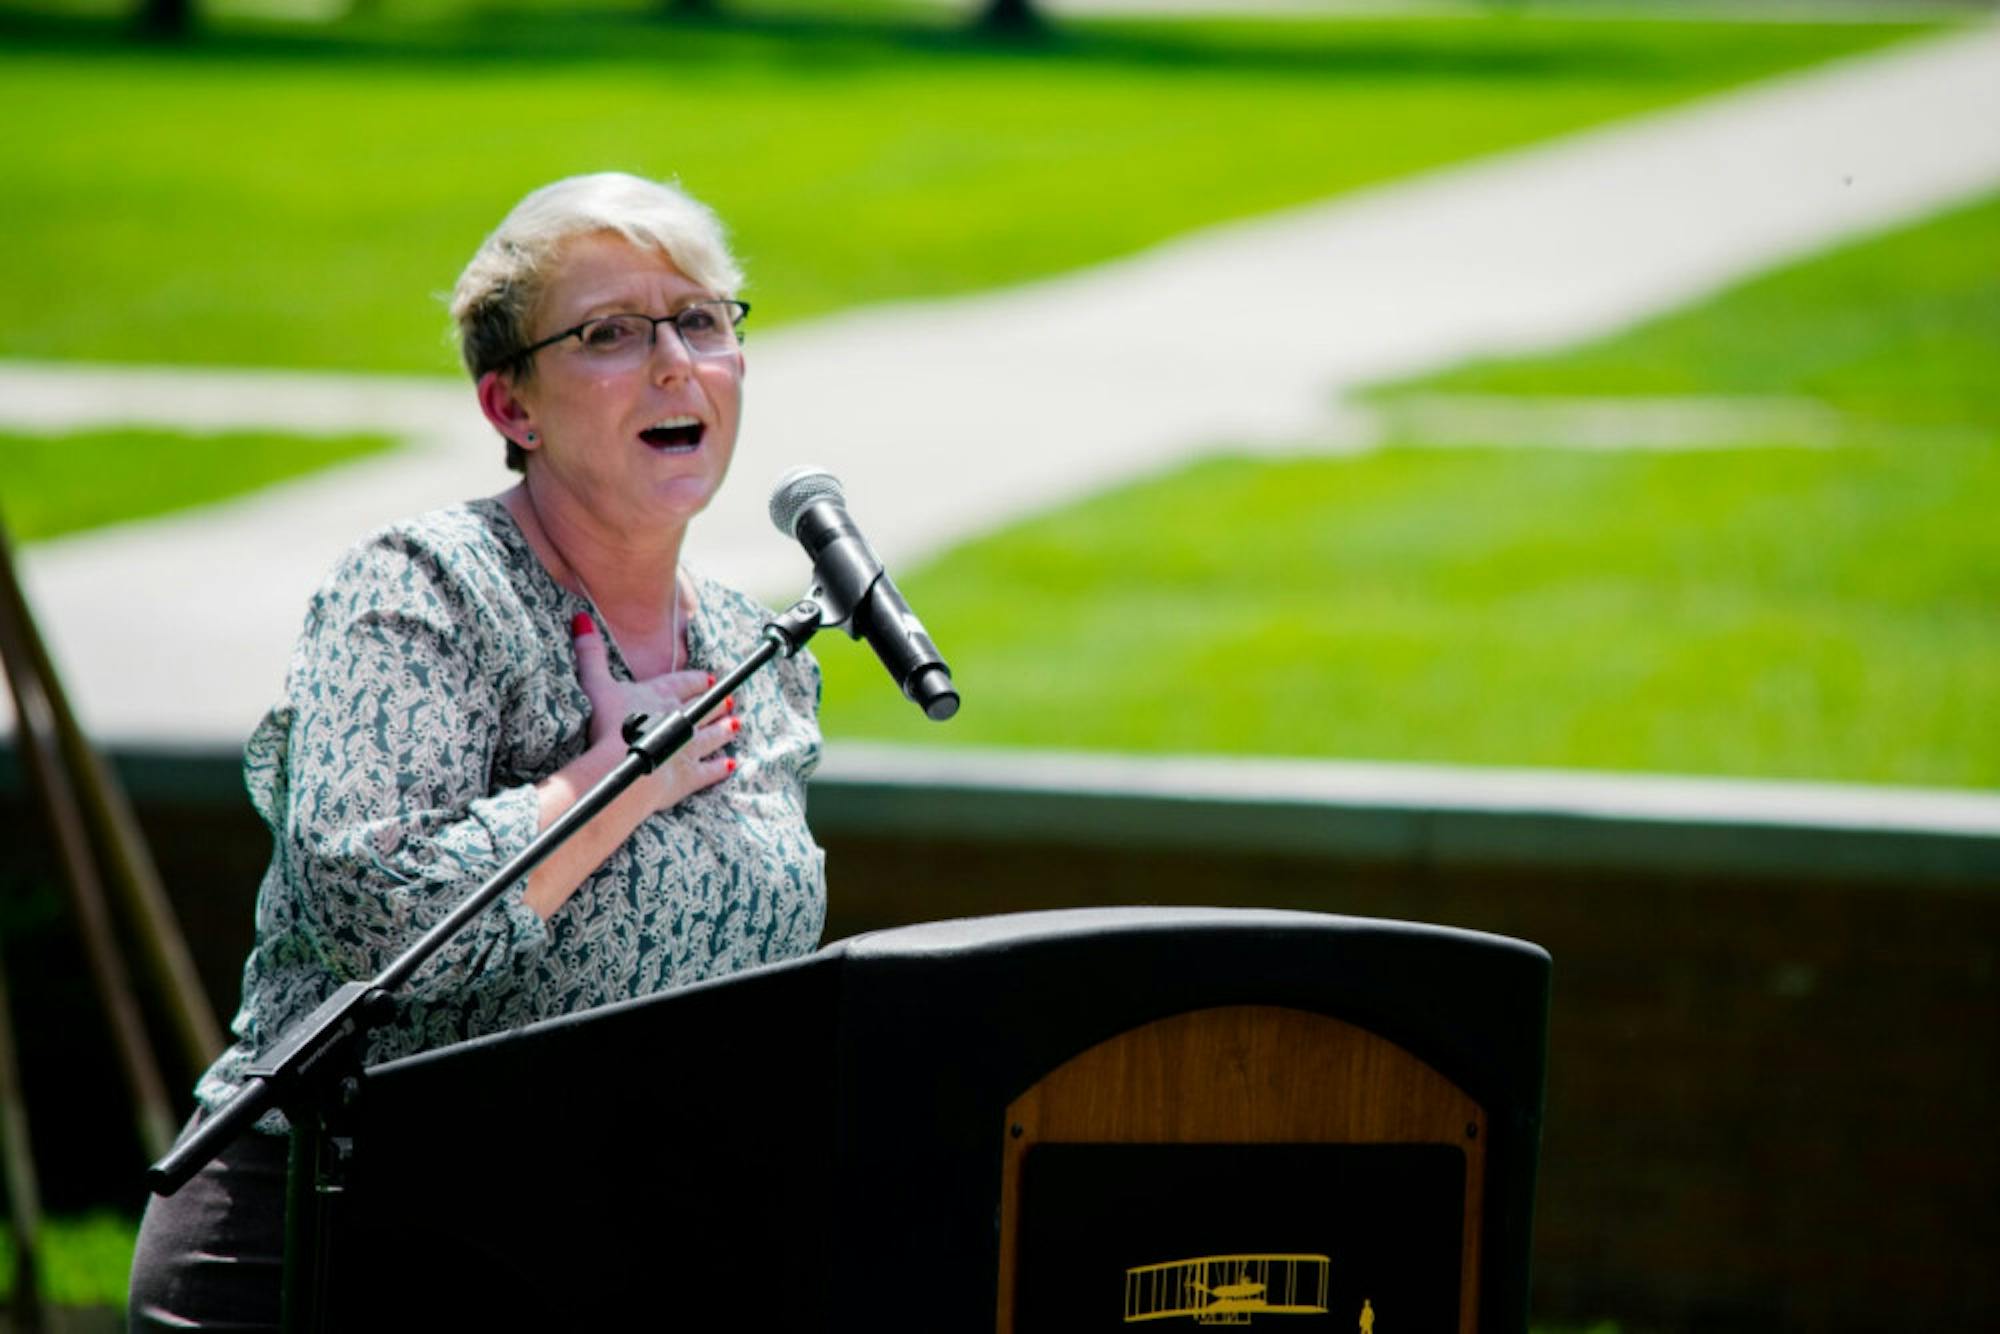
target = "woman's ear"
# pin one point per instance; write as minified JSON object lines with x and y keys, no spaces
{"x":504,"y":409}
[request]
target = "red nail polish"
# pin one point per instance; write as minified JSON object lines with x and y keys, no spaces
{"x":732,"y":766}
{"x":711,"y":678}
{"x":581,"y":624}
{"x":735,"y":724}
{"x":729,"y":704}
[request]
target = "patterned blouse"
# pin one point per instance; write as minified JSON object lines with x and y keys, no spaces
{"x":433,"y":685}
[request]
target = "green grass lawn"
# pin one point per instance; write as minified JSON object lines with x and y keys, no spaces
{"x":298,"y":195}
{"x":1776,"y":613}
{"x":85,"y":1259}
{"x":288,"y":198}
{"x":56,"y":484}
{"x":1766,"y":612}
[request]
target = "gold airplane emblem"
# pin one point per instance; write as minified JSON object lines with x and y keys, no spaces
{"x":1227,"y":1289}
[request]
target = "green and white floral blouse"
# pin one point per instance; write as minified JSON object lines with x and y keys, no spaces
{"x":433,"y":686}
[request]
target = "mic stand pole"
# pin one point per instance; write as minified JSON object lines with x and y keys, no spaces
{"x":313,"y":1072}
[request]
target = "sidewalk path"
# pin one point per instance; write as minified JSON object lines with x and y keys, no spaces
{"x":949,"y":418}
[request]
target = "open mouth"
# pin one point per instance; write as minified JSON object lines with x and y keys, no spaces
{"x":674,"y":433}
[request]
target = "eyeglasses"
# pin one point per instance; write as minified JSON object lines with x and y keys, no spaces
{"x":706,"y":329}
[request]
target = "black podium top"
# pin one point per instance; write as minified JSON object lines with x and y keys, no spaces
{"x":817,"y":1144}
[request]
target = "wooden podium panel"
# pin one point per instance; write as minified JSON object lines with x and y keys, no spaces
{"x":1308,"y":1102}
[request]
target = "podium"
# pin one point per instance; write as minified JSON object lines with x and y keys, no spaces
{"x":1085,"y":1120}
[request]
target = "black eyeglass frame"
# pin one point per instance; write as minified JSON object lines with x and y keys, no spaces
{"x":738,"y":311}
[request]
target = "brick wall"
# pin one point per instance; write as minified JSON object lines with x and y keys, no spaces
{"x":1772,"y":1095}
{"x":1771,"y":1103}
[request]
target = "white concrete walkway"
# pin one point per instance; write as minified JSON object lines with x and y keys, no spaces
{"x":949,"y":418}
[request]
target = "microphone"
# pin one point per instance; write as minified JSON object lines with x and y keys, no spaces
{"x":854,"y":590}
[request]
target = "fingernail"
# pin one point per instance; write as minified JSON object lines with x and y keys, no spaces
{"x":711,"y":678}
{"x":729,"y":704}
{"x":732,"y":767}
{"x":735,"y":724}
{"x":581,"y":624}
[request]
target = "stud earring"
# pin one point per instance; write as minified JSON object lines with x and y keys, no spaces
{"x":531,"y":437}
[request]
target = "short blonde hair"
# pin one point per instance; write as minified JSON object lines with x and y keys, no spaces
{"x":498,"y":291}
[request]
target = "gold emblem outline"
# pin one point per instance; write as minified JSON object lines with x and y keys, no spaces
{"x":1180,"y":1289}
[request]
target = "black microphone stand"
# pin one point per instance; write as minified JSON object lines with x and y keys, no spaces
{"x":313,"y":1073}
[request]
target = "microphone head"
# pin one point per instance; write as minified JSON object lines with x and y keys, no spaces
{"x":799,"y":488}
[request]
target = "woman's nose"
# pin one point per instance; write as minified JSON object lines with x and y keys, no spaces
{"x":670,"y":355}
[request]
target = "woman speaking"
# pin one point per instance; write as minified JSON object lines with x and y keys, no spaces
{"x":460,"y":682}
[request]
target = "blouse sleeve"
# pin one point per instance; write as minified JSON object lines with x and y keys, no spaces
{"x":383,"y":815}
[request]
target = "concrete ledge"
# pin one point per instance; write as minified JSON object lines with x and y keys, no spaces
{"x":1409,"y":816}
{"x":1418,"y":815}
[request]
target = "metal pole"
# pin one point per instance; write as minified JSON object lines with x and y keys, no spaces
{"x":17,"y":1160}
{"x":130,"y":863}
{"x":36,"y":729}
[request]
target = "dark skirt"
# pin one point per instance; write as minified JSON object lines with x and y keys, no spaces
{"x":212,"y":1254}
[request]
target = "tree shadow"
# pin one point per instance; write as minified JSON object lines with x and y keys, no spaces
{"x":1496,"y":47}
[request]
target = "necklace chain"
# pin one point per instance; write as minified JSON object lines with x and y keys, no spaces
{"x":673,"y":625}
{"x":674,"y":614}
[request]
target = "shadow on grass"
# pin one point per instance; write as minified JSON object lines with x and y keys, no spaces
{"x":1496,"y":47}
